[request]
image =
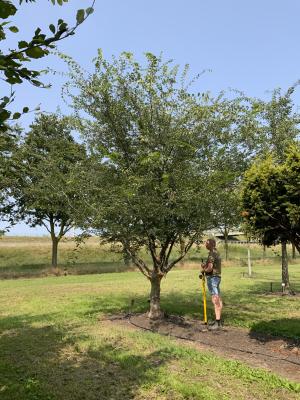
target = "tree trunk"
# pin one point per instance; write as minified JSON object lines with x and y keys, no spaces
{"x":155,"y":311}
{"x":54,"y":251}
{"x":249,"y":262}
{"x":126,"y":256}
{"x":182,"y":246}
{"x":293,"y":251}
{"x":285,"y":270}
{"x":264,"y":251}
{"x":226,"y":243}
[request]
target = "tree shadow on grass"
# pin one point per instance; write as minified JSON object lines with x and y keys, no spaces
{"x":47,"y":362}
{"x":277,"y":329}
{"x":250,"y":307}
{"x":41,"y":270}
{"x":173,"y":302}
{"x":261,"y":310}
{"x":269,"y":287}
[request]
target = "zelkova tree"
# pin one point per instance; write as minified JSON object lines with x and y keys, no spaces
{"x":270,"y":200}
{"x":45,"y":165}
{"x":157,"y":142}
{"x":271,"y":125}
{"x":239,"y":139}
{"x":278,"y":122}
{"x":231,"y":164}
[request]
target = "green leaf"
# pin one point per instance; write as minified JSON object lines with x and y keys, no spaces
{"x":38,"y":39}
{"x":60,"y":2}
{"x":6,"y":9}
{"x":60,"y":21}
{"x":5,"y":99}
{"x":4,"y":115}
{"x":2,"y":33}
{"x":35,"y":52}
{"x":16,"y":115}
{"x":13,"y":79}
{"x":37,"y":31}
{"x":13,"y":29}
{"x":36,"y":83}
{"x":22,"y":44}
{"x":63,"y":27}
{"x":89,"y":10}
{"x":80,"y":16}
{"x":52,"y":28}
{"x":25,"y":110}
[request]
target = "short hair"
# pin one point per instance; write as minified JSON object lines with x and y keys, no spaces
{"x":212,"y":242}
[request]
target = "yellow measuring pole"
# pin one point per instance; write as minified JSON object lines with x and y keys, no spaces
{"x":204,"y":299}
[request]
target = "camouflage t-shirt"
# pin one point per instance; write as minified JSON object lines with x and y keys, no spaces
{"x":215,"y":259}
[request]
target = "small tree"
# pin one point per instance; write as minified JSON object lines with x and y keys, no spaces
{"x":43,"y":188}
{"x":270,"y":200}
{"x":158,"y":142}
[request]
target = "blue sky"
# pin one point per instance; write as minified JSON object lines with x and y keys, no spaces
{"x":252,"y":46}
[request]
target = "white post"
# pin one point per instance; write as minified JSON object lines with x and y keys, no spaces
{"x":249,"y":263}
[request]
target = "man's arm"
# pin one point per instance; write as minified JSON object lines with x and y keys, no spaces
{"x":208,"y":266}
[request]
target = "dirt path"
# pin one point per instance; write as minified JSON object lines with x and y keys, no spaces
{"x":278,"y":355}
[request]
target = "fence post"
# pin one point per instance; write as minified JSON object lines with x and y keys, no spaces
{"x":249,"y":263}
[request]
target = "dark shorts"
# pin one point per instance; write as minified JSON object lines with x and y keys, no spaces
{"x":213,"y":284}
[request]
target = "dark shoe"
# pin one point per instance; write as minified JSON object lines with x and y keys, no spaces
{"x":215,"y":321}
{"x":215,"y":326}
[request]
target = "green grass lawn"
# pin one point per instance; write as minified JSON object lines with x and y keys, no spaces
{"x":55,"y":344}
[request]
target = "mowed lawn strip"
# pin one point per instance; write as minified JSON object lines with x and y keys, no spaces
{"x":54,"y":343}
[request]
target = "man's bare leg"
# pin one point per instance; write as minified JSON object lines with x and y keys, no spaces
{"x":218,"y":305}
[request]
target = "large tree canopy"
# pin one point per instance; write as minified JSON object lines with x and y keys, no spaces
{"x":46,"y":165}
{"x":161,"y":145}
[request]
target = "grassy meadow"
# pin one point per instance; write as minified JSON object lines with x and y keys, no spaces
{"x":31,"y":256}
{"x":56,"y":343}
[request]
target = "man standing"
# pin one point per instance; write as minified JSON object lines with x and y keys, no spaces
{"x":212,"y":270}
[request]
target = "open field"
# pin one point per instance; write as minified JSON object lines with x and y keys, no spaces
{"x":55,"y":342}
{"x":31,"y":256}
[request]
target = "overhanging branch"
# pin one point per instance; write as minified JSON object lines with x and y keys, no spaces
{"x":185,"y":250}
{"x":139,"y":263}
